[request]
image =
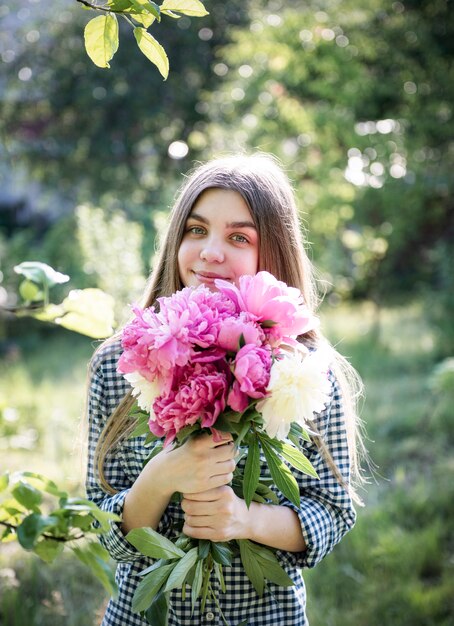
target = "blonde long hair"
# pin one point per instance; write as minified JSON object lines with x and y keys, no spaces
{"x":267,"y":191}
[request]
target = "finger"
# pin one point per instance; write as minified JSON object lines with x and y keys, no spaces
{"x":210,"y":495}
{"x":199,"y":521}
{"x":224,"y":452}
{"x":219,"y":437}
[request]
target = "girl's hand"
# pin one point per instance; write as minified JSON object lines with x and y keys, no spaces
{"x":200,"y":464}
{"x":218,"y":514}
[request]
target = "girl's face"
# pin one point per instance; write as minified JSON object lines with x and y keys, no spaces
{"x":219,"y":241}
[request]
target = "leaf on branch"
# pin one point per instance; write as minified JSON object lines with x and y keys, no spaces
{"x":144,"y":12}
{"x":4,"y":481}
{"x":271,"y":568}
{"x":181,"y":570}
{"x":157,"y":614}
{"x":32,"y":527}
{"x":149,"y":586}
{"x":151,"y":543}
{"x":197,"y":583}
{"x":43,"y":483}
{"x":91,"y":556}
{"x":48,"y":549}
{"x":251,"y":566}
{"x":27,"y":495}
{"x":192,"y":8}
{"x":221,"y":553}
{"x":101,"y":39}
{"x":282,"y":476}
{"x":153,"y":50}
{"x":251,"y":471}
{"x":41,"y":273}
{"x":294,"y":456}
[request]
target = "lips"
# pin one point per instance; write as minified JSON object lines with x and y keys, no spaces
{"x":209,"y":278}
{"x":209,"y":275}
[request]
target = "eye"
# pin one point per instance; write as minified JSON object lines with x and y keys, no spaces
{"x":240,"y":238}
{"x":195,"y":230}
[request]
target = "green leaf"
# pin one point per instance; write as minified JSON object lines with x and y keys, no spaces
{"x":27,"y":495}
{"x":90,"y":556}
{"x":149,"y":586}
{"x":152,"y":544}
{"x":49,"y":549}
{"x":30,"y":292}
{"x":221,"y":553}
{"x":282,"y":476}
{"x":271,"y":568}
{"x":32,"y":527}
{"x":44,"y":484}
{"x":245,"y":426}
{"x":266,"y":492}
{"x":143,"y":12}
{"x":181,"y":570}
{"x":157,"y":614}
{"x":185,"y":432}
{"x":219,"y":575}
{"x":141,"y":428}
{"x":4,"y":481}
{"x":227,"y":425}
{"x":101,"y":39}
{"x":153,"y":50}
{"x":88,"y":312}
{"x":297,"y":431}
{"x":40,"y":273}
{"x":193,"y":8}
{"x":204,"y":548}
{"x":197,"y":583}
{"x":251,"y":471}
{"x":251,"y":566}
{"x":294,"y":456}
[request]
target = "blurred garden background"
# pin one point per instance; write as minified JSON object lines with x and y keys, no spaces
{"x":356,"y":100}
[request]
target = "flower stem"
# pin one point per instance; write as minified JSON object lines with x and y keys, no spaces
{"x":213,"y":595}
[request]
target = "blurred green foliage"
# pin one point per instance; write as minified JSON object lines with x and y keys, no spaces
{"x":356,"y":99}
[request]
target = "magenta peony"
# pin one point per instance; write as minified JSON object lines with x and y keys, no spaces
{"x":198,"y":394}
{"x":252,"y":367}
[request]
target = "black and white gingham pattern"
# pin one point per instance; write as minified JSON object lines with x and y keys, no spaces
{"x":326,"y":514}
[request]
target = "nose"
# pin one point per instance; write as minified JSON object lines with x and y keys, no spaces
{"x":212,"y":252}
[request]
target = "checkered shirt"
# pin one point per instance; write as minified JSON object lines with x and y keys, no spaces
{"x":326,"y":513}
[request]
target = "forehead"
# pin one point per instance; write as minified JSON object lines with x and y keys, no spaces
{"x":222,"y":203}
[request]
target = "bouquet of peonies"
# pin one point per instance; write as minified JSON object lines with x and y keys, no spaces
{"x":225,"y":360}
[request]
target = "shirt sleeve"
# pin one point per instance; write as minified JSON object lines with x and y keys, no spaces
{"x":326,"y":511}
{"x":106,"y":389}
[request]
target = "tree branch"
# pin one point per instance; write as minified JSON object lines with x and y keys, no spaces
{"x":95,"y":7}
{"x":45,"y":535}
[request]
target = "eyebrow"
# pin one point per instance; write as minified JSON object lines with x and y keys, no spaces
{"x":244,"y":224}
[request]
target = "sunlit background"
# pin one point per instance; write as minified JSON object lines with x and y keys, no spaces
{"x":356,"y":100}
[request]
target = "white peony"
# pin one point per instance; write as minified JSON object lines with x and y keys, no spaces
{"x":145,"y":391}
{"x":299,"y":387}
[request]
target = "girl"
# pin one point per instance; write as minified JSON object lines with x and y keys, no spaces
{"x":233,"y":216}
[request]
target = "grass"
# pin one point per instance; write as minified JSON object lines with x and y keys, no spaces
{"x":42,"y":403}
{"x":394,"y":568}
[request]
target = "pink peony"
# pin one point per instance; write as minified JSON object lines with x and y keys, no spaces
{"x":271,"y":303}
{"x":233,"y":327}
{"x":252,"y":373}
{"x":198,"y":394}
{"x":155,"y":342}
{"x":200,"y":310}
{"x":150,"y":349}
